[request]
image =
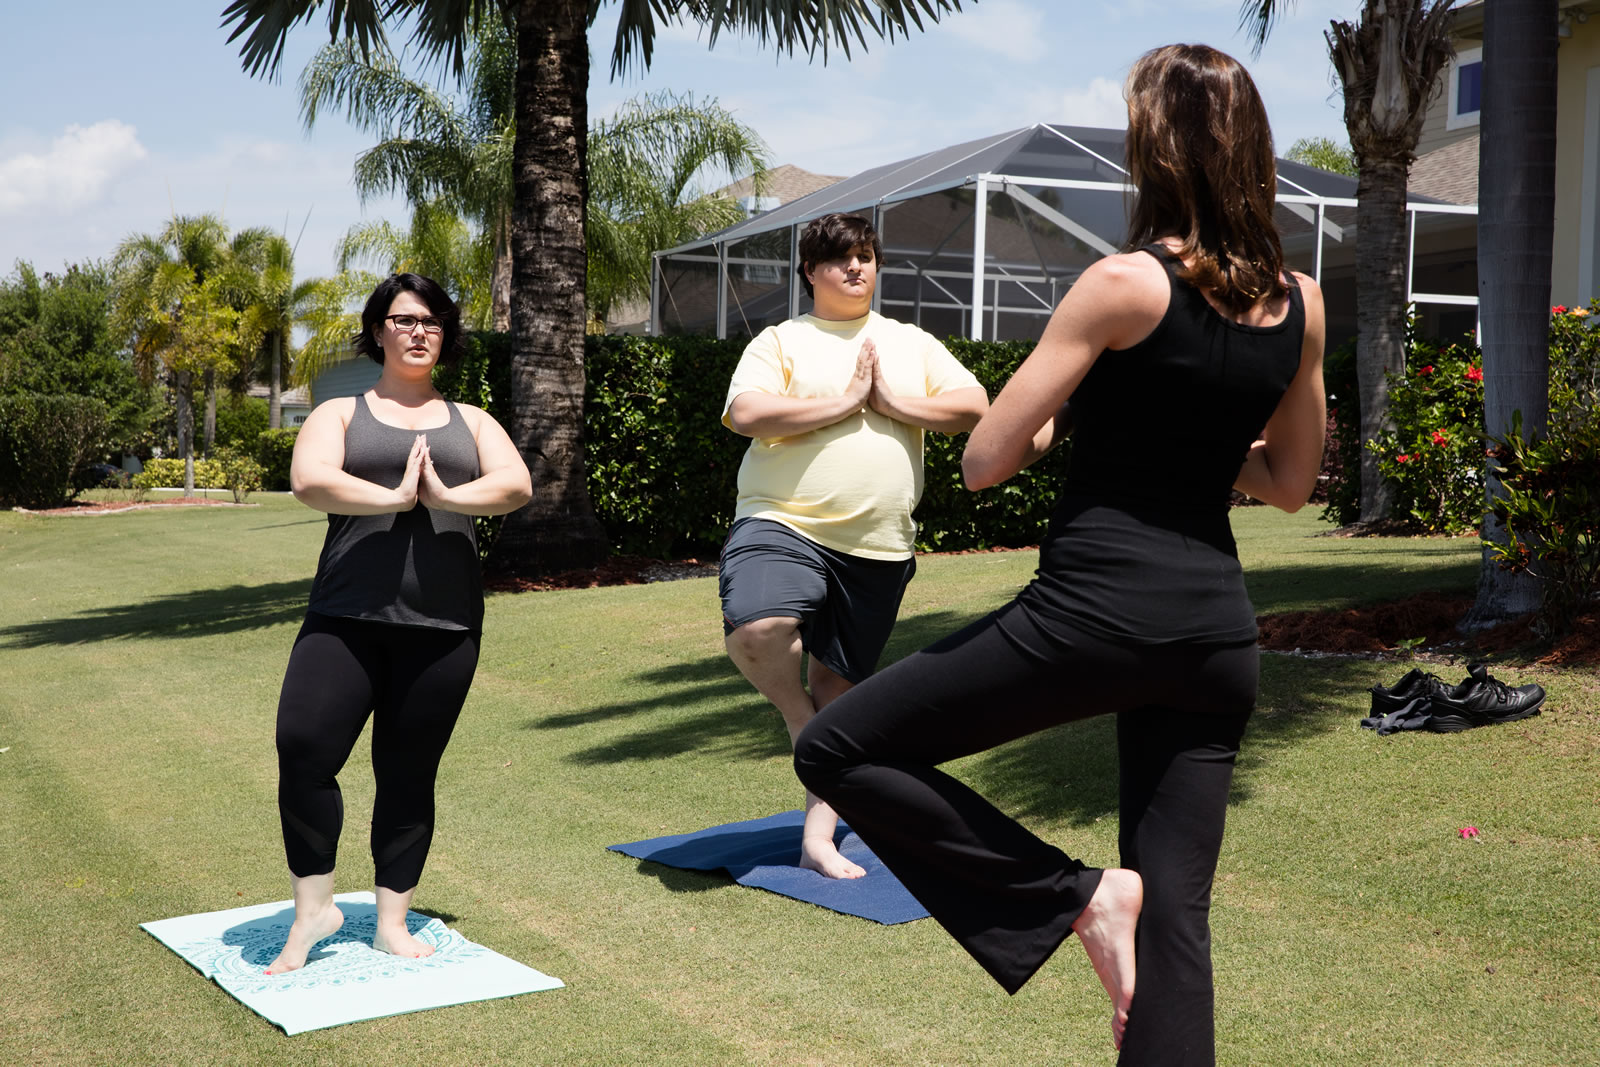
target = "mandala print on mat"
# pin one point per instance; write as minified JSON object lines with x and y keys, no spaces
{"x":347,"y":958}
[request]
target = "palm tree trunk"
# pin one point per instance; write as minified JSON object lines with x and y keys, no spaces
{"x":183,"y":384}
{"x":500,"y":284}
{"x":1380,"y":309}
{"x":275,"y":387}
{"x":1516,"y":227}
{"x":211,"y":408}
{"x":557,"y":530}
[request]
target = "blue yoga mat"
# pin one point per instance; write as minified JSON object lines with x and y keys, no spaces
{"x":765,"y":853}
{"x":345,"y":979}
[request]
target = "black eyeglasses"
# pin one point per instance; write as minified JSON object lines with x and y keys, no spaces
{"x":407,"y":323}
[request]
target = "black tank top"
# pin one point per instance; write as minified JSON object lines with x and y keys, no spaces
{"x":406,"y":568}
{"x":1139,"y":547}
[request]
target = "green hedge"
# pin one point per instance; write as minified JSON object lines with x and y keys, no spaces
{"x":168,"y":474}
{"x":43,"y":441}
{"x":274,"y":451}
{"x":663,"y":470}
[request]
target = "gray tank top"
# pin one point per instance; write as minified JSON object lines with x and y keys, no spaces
{"x":405,"y":568}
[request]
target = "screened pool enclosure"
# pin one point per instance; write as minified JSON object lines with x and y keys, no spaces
{"x":981,"y":240}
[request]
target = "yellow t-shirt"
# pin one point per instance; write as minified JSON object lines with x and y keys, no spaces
{"x":849,"y":486}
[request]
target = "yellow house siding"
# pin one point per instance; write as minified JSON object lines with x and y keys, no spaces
{"x":1573,"y":269}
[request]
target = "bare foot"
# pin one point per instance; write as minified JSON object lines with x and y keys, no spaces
{"x":307,"y":929}
{"x":822,"y":856}
{"x":399,"y":942}
{"x":1106,"y":930}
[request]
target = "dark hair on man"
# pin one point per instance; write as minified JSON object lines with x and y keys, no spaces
{"x":832,"y":237}
{"x":430,"y":293}
{"x":1200,"y":151}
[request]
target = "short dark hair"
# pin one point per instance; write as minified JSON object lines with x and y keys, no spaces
{"x":429,"y":292}
{"x":832,"y":237}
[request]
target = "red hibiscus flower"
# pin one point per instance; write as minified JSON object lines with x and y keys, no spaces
{"x":1559,"y":309}
{"x":1402,"y":458}
{"x":1440,"y":439}
{"x":1426,"y":370}
{"x":1474,"y":374}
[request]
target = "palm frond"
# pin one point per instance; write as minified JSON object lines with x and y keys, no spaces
{"x":812,"y":25}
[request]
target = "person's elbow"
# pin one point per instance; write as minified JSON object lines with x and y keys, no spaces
{"x":978,"y":472}
{"x":521,"y":491}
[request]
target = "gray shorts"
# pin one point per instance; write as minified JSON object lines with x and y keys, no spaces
{"x":846,"y":604}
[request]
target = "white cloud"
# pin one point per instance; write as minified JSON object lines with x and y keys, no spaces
{"x":1006,"y":27}
{"x":76,"y":170}
{"x":1099,"y":103}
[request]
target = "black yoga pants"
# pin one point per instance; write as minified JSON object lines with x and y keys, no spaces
{"x":412,"y":681}
{"x":1008,"y":897}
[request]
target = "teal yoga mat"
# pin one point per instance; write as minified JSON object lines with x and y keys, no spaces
{"x":345,"y":979}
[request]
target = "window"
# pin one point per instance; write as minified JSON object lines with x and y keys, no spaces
{"x":1466,"y":89}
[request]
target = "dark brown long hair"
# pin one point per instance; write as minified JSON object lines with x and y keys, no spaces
{"x":1200,"y":151}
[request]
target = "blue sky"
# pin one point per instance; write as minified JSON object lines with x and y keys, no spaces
{"x":122,"y":113}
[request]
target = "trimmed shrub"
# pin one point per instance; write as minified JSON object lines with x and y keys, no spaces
{"x":167,"y":473}
{"x":240,"y":474}
{"x":274,"y":451}
{"x":44,"y":440}
{"x":240,"y":419}
{"x":663,"y":470}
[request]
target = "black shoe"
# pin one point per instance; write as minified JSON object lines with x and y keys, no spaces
{"x":1415,"y":684}
{"x":1482,"y":700}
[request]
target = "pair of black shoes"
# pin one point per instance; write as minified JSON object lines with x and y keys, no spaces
{"x":1421,"y":701}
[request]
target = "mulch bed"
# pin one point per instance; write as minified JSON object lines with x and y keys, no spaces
{"x":1379,"y":630}
{"x":1375,"y":631}
{"x":112,"y":507}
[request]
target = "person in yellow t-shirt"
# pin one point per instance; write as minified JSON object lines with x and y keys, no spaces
{"x":822,"y":543}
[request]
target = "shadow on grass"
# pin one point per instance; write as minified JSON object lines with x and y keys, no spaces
{"x":200,"y":613}
{"x":740,"y":723}
{"x":1069,"y":773}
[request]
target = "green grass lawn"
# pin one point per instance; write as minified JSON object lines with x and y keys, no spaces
{"x":140,"y":658}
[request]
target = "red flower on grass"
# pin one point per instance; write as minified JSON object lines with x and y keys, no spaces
{"x":1440,"y":439}
{"x":1474,"y":374}
{"x":1468,"y":833}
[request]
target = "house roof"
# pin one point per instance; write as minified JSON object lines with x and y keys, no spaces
{"x":297,"y":397}
{"x":1089,"y":157}
{"x":786,"y":182}
{"x":1449,"y":173}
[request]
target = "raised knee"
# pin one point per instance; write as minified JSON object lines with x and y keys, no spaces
{"x":760,"y":638}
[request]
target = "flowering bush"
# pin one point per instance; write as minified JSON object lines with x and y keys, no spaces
{"x":1434,"y":456}
{"x":1551,"y":483}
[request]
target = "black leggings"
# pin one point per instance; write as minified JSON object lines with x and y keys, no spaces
{"x":1008,"y":897}
{"x":341,"y":671}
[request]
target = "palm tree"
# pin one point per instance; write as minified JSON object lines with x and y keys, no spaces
{"x":323,"y":308}
{"x":641,"y":162}
{"x":1517,"y":180}
{"x":1388,"y":64}
{"x":438,"y":244}
{"x":454,"y":160}
{"x":264,"y":286}
{"x":171,"y":299}
{"x":558,"y":530}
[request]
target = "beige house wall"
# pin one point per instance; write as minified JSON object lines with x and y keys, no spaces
{"x":1573,"y":269}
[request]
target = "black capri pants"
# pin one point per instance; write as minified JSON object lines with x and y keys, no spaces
{"x":1005,"y":895}
{"x":412,"y":681}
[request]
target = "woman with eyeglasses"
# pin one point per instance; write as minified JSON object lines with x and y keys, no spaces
{"x":396,"y":607}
